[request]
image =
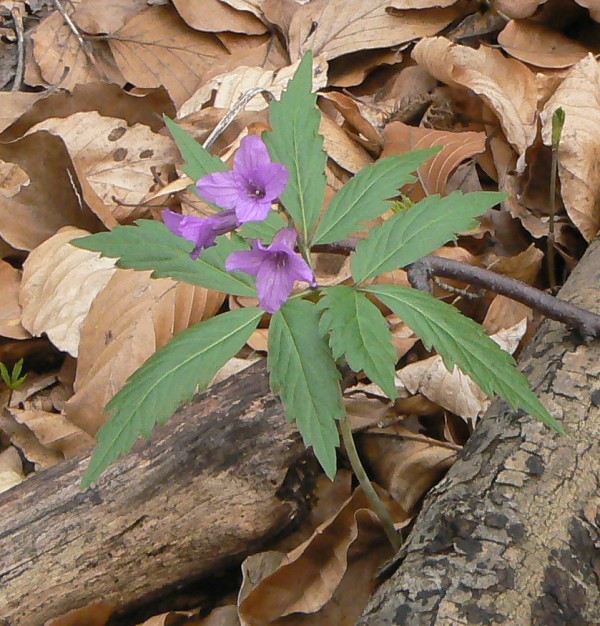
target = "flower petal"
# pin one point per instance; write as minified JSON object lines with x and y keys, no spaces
{"x":248,"y":261}
{"x":271,"y":179}
{"x":220,"y":188}
{"x":250,"y":209}
{"x":274,"y":285}
{"x":251,"y":156}
{"x":284,"y":240}
{"x":299,"y":269}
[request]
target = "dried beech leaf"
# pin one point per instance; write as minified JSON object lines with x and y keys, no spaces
{"x":156,"y":48}
{"x":333,"y":28}
{"x":130,"y":319}
{"x":579,"y":148}
{"x":517,"y":9}
{"x":504,"y":313}
{"x":95,"y":613}
{"x":10,"y":309}
{"x":341,"y":148}
{"x":12,"y":179}
{"x":114,"y":161}
{"x":539,"y":45}
{"x":505,"y":85}
{"x":434,"y":174}
{"x":593,"y":6}
{"x":11,"y":468}
{"x":105,"y":18}
{"x":58,"y":287}
{"x":214,"y":16}
{"x":13,"y":104}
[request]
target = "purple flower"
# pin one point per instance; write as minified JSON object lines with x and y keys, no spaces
{"x":201,"y":230}
{"x":251,"y":186}
{"x":276,"y":267}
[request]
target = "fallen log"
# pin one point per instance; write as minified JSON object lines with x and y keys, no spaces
{"x":206,"y":490}
{"x":511,"y":534}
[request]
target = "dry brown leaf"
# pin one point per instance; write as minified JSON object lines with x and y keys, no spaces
{"x":25,"y":395}
{"x":539,"y":45}
{"x":10,"y":310}
{"x":346,"y":152}
{"x":156,"y":48}
{"x":113,"y":161}
{"x":214,"y":16}
{"x":50,"y":201}
{"x":433,"y":175}
{"x":13,"y":104}
{"x":422,"y":4}
{"x":58,"y":287}
{"x":505,"y":85}
{"x":11,"y":469}
{"x":349,"y":546}
{"x":454,"y":390}
{"x":351,"y":70}
{"x":96,"y":18}
{"x":593,"y":6}
{"x":224,"y":90}
{"x":54,"y":431}
{"x":93,"y":614}
{"x":63,"y":62}
{"x":333,"y":28}
{"x":504,"y":313}
{"x":524,"y":266}
{"x":517,"y":9}
{"x":12,"y":179}
{"x":130,"y":319}
{"x":221,"y":616}
{"x":352,"y":114}
{"x":579,"y":148}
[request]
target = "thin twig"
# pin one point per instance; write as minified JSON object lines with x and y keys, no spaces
{"x":419,"y":273}
{"x":18,"y":22}
{"x":73,"y":28}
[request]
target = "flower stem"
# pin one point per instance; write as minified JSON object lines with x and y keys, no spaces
{"x":378,"y":506}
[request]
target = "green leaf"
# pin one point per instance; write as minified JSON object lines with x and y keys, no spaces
{"x":358,"y":330}
{"x":17,"y":369}
{"x":172,"y":374}
{"x":265,"y":230}
{"x":5,"y":375}
{"x":295,"y":142}
{"x":459,"y":340}
{"x":366,"y":195}
{"x":414,"y":233}
{"x":150,"y":245}
{"x":198,"y":160}
{"x":304,"y":374}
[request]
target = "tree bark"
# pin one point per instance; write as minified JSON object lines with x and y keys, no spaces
{"x":206,"y":490}
{"x":511,"y":534}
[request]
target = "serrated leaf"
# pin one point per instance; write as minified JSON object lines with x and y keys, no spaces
{"x":172,"y":374}
{"x":150,"y":245}
{"x":5,"y":375}
{"x":304,"y":374}
{"x":414,"y":233}
{"x":17,"y":369}
{"x":198,"y":160}
{"x":265,"y":230}
{"x":295,"y":142}
{"x":460,"y":341}
{"x":358,"y":330}
{"x":366,"y":195}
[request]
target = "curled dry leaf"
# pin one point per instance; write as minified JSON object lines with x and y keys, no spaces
{"x":454,"y":390}
{"x":342,"y":148}
{"x":433,"y":175}
{"x":11,"y":468}
{"x":12,"y":179}
{"x":539,"y":45}
{"x":156,"y":48}
{"x":505,"y":85}
{"x":579,"y":148}
{"x":516,"y":9}
{"x":336,"y":27}
{"x":130,"y":319}
{"x":95,"y":613}
{"x":14,"y":104}
{"x":329,"y":578}
{"x":105,"y":18}
{"x":58,"y":287}
{"x":593,"y":6}
{"x":116,"y":163}
{"x":10,"y":309}
{"x":504,"y":313}
{"x":214,"y":16}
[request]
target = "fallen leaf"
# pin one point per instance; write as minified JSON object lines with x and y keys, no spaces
{"x":333,"y":28}
{"x":58,"y":287}
{"x":11,"y":469}
{"x":130,"y":319}
{"x":539,"y":45}
{"x":12,"y":179}
{"x":215,"y":16}
{"x":516,"y":9}
{"x":505,"y":85}
{"x":116,"y":163}
{"x":341,"y":148}
{"x":593,"y":6}
{"x":156,"y":48}
{"x":10,"y":310}
{"x":95,"y":613}
{"x":503,"y":313}
{"x":105,"y":17}
{"x":579,"y":148}
{"x":13,"y":104}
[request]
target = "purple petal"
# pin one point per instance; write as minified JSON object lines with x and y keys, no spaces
{"x":284,"y":240}
{"x":271,"y":179}
{"x":274,"y":284}
{"x":299,"y":269}
{"x":172,"y":221}
{"x":248,"y":261}
{"x":251,"y":209}
{"x":251,"y":156}
{"x":220,"y":188}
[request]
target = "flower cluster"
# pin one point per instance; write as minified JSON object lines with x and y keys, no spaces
{"x":245,"y":194}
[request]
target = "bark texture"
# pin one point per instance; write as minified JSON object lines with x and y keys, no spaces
{"x":206,"y":490}
{"x":511,"y":534}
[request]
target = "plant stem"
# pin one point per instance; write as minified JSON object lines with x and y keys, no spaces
{"x":378,"y":506}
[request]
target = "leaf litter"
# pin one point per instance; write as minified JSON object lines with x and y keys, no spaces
{"x":83,"y":148}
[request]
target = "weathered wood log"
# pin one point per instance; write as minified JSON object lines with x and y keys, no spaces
{"x":511,"y":534}
{"x":207,"y":489}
